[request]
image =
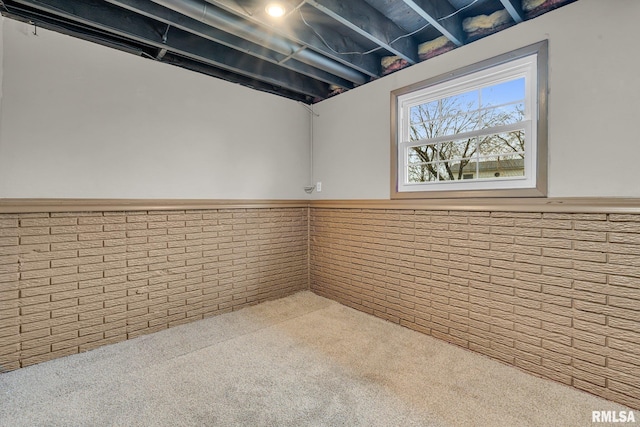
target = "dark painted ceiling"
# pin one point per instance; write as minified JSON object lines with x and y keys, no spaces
{"x":318,"y":49}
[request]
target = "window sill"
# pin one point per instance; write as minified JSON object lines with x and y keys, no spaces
{"x":466,"y":194}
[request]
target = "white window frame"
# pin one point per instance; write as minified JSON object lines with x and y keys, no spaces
{"x":529,"y":62}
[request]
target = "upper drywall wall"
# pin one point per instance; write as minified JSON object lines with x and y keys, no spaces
{"x":80,"y":120}
{"x":593,"y":106}
{"x":1,"y":64}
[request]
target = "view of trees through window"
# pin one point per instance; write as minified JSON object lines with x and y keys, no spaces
{"x":474,"y":135}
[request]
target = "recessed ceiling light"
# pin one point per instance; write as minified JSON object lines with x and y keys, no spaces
{"x":275,"y":9}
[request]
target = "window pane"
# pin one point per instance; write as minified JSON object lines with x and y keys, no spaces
{"x":422,"y":154}
{"x":413,"y":157}
{"x":503,"y":93}
{"x":502,"y":143}
{"x":503,"y":115}
{"x":446,"y":125}
{"x":421,"y":173}
{"x":457,"y":149}
{"x":420,"y":131}
{"x":506,"y":166}
{"x":455,"y":170}
{"x":463,"y":122}
{"x":459,"y":103}
{"x":457,"y":114}
{"x":424,"y":112}
{"x":443,"y":173}
{"x":448,"y":116}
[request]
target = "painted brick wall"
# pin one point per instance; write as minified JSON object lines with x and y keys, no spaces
{"x":557,"y":295}
{"x":70,"y":282}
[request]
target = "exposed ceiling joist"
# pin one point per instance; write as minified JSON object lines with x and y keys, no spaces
{"x":436,"y":13}
{"x":318,"y":49}
{"x":136,"y":27}
{"x":514,"y":7}
{"x":200,"y":67}
{"x":331,"y":44}
{"x":170,"y":17}
{"x":188,"y":45}
{"x":233,"y":24}
{"x":53,"y":23}
{"x":113,"y":41}
{"x":368,"y":22}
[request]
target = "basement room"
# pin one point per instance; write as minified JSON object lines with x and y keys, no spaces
{"x":319,"y":213}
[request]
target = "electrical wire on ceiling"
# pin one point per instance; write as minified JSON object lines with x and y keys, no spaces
{"x":379,"y":47}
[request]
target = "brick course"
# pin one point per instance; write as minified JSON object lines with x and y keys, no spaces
{"x":71,"y":282}
{"x":555,"y":294}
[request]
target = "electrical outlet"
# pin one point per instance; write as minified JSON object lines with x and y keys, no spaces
{"x":318,"y":186}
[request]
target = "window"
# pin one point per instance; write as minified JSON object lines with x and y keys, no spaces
{"x":476,"y":132}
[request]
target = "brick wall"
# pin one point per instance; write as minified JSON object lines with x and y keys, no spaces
{"x":557,"y":295}
{"x":70,"y":282}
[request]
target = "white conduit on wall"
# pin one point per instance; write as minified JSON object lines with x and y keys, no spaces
{"x":309,"y":188}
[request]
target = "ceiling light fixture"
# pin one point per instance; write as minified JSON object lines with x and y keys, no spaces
{"x":275,"y":10}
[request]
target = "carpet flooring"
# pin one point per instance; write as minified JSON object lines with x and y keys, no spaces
{"x":298,"y":361}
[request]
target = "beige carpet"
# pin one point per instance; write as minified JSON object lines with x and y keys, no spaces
{"x":301,"y":360}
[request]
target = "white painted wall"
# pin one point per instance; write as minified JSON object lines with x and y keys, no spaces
{"x":81,"y":120}
{"x":594,"y":106}
{"x":1,"y":66}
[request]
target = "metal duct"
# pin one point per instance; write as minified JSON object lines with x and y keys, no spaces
{"x":207,"y":13}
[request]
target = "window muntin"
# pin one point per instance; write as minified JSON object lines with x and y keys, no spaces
{"x":475,"y":131}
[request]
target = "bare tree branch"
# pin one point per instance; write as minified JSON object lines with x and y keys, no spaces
{"x":451,"y":116}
